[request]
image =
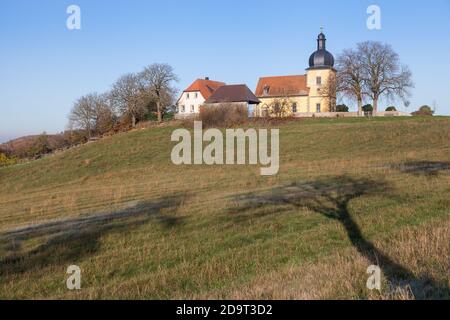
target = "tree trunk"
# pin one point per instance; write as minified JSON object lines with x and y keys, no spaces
{"x":158,"y":108}
{"x":375,"y":106}
{"x":360,"y":111}
{"x":133,"y":121}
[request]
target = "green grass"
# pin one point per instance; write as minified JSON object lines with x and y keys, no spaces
{"x":140,"y":227}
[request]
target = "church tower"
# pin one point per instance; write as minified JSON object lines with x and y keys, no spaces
{"x":321,"y":78}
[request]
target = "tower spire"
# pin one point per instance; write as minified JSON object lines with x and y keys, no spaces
{"x":321,"y":40}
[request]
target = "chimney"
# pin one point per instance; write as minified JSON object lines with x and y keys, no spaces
{"x":206,"y":78}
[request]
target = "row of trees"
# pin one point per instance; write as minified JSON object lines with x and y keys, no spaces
{"x":372,"y":70}
{"x":131,"y":98}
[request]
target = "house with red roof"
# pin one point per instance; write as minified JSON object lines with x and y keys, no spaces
{"x":195,"y":96}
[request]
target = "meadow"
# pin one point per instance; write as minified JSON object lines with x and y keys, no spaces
{"x":350,"y":193}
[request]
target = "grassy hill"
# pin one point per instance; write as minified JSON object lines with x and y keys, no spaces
{"x":350,"y":193}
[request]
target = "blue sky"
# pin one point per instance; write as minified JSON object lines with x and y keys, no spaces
{"x":44,"y":66}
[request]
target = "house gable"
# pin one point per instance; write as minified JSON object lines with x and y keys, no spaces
{"x":205,"y":86}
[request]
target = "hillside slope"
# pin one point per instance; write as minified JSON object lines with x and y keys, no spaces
{"x":350,"y":193}
{"x":21,"y":146}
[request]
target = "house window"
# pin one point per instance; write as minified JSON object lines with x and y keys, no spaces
{"x":318,"y":108}
{"x":196,"y":95}
{"x":183,"y":109}
{"x":319,"y":81}
{"x":192,"y":109}
{"x":266,"y":90}
{"x":187,"y":96}
{"x":294,"y":107}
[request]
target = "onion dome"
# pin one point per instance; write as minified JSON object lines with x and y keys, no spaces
{"x":321,"y":59}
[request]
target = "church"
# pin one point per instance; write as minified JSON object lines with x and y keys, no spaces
{"x":301,"y":95}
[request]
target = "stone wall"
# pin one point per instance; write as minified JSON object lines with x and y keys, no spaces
{"x":326,"y":115}
{"x":349,"y":114}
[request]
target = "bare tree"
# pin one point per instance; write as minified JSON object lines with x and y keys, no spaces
{"x":168,"y":97}
{"x":383,"y":73}
{"x":329,"y":92}
{"x":105,"y":117}
{"x":127,"y":96}
{"x":349,"y":78}
{"x":93,"y":114}
{"x":157,"y":80}
{"x":82,"y":115}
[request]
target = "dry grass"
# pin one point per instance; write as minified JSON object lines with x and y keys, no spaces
{"x":202,"y":245}
{"x":425,"y":250}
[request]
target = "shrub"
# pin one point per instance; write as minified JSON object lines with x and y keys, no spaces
{"x":342,"y":108}
{"x":6,"y":161}
{"x":223,"y":115}
{"x":280,"y":108}
{"x":367,"y":108}
{"x":391,"y":108}
{"x":151,"y":116}
{"x":40,"y":147}
{"x":424,"y":111}
{"x":169,"y":116}
{"x":74,"y":137}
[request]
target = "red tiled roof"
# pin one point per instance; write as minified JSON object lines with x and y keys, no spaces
{"x":282,"y":86}
{"x":233,"y":93}
{"x":206,"y":87}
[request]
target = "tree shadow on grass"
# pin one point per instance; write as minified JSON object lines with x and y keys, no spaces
{"x":423,"y":168}
{"x":331,"y":198}
{"x":67,"y":241}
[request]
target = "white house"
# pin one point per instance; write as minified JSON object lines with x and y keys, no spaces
{"x":195,"y":95}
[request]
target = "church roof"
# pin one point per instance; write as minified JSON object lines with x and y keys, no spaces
{"x":282,"y":86}
{"x":205,"y":86}
{"x":233,"y":93}
{"x":321,"y":59}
